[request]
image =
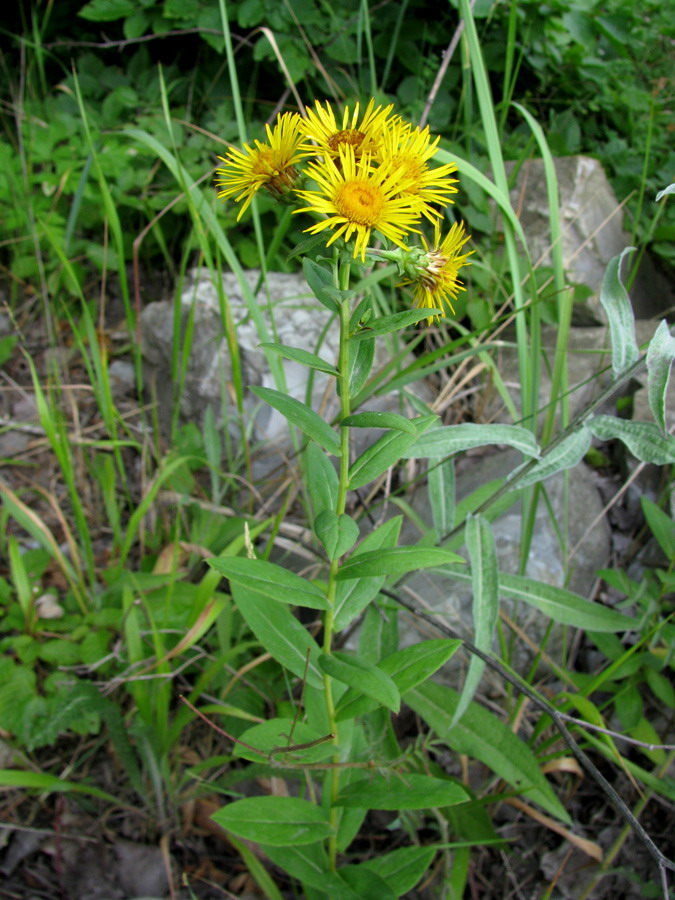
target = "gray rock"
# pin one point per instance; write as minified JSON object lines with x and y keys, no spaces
{"x":589,"y":541}
{"x":593,"y":233}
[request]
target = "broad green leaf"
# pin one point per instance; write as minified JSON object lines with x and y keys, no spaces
{"x":308,"y":863}
{"x":441,"y":491}
{"x":369,"y":680}
{"x":363,"y":883}
{"x":321,"y":478}
{"x":383,"y":454}
{"x":278,"y":821}
{"x":480,"y":544}
{"x":402,"y":868}
{"x":397,"y":322}
{"x":319,"y":279}
{"x":660,"y":355}
{"x":353,"y":596}
{"x":645,"y":440}
{"x":661,"y":525}
{"x":567,"y":454}
{"x":300,"y":414}
{"x":451,"y":439}
{"x":407,"y":791}
{"x":107,"y":10}
{"x":273,"y":734}
{"x":361,"y":356}
{"x":338,"y":534}
{"x":380,"y":420}
{"x":311,"y":360}
{"x":407,"y":668}
{"x":270,"y":580}
{"x":395,"y":561}
{"x":616,"y":304}
{"x":481,"y":735}
{"x":280,"y":633}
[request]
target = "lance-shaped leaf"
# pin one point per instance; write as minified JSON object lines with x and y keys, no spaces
{"x":278,"y":821}
{"x":451,"y":439}
{"x":369,"y":680}
{"x":408,"y":791}
{"x":565,"y":455}
{"x":380,"y":420}
{"x":481,"y":735}
{"x":402,"y":868}
{"x":386,"y":452}
{"x":319,"y":279}
{"x":296,"y":354}
{"x":301,"y":415}
{"x":337,"y":533}
{"x":387,"y":324}
{"x":321,"y":477}
{"x":620,"y":316}
{"x":280,"y":633}
{"x":271,"y":581}
{"x":441,"y":490}
{"x":480,"y":544}
{"x":396,"y":561}
{"x":645,"y":440}
{"x":660,"y":355}
{"x":361,"y":357}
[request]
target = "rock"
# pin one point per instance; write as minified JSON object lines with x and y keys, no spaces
{"x":292,"y":312}
{"x":589,"y":541}
{"x":592,"y":223}
{"x":122,"y":378}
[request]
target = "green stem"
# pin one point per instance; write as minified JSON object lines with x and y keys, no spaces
{"x":342,"y":277}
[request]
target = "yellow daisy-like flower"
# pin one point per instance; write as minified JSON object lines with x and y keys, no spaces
{"x":363,"y":134}
{"x":412,"y":150}
{"x":269,"y":166}
{"x":358,"y":199}
{"x":436,"y":279}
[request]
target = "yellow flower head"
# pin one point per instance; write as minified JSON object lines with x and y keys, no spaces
{"x":436,"y":273}
{"x":358,"y":199}
{"x":411,"y":149}
{"x":269,"y":166}
{"x":364,"y":135}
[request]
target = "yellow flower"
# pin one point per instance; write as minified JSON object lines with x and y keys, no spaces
{"x":359,"y":199}
{"x":412,"y":150}
{"x":436,"y":278}
{"x":364,"y":135}
{"x":269,"y":166}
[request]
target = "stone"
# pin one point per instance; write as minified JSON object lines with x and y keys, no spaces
{"x":589,"y":542}
{"x":291,"y":315}
{"x":592,"y":230}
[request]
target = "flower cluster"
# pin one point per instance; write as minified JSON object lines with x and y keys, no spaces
{"x":371,"y":172}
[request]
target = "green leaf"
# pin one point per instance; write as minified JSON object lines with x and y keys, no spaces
{"x":280,"y":633}
{"x":661,"y":525}
{"x":616,"y":304}
{"x":278,"y":821}
{"x":301,"y":415}
{"x":402,"y":868}
{"x":481,"y":735}
{"x":338,"y":534}
{"x":385,"y":452}
{"x":308,"y":863}
{"x":270,"y":580}
{"x":353,"y":596}
{"x":451,"y":439}
{"x":645,"y":440}
{"x":397,"y":322}
{"x":44,"y":783}
{"x":380,"y":420}
{"x":660,"y":355}
{"x":319,"y":279}
{"x":107,"y":10}
{"x":369,"y":680}
{"x":441,"y":492}
{"x":665,"y":192}
{"x":321,"y":478}
{"x":480,"y":544}
{"x":273,"y":733}
{"x":408,"y":791}
{"x":363,"y":883}
{"x":557,"y":603}
{"x":361,"y":356}
{"x":407,"y":668}
{"x":567,"y":454}
{"x":311,"y":360}
{"x":395,"y":561}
